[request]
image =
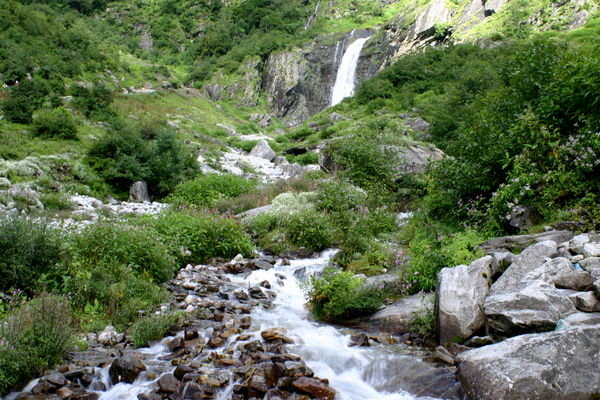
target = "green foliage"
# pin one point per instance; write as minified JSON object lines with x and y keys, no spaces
{"x":152,"y":327}
{"x":337,"y":296}
{"x":196,"y":237}
{"x":55,"y":124}
{"x":28,"y":251}
{"x":33,"y":338}
{"x":207,"y":190}
{"x":430,"y":250}
{"x":23,"y":100}
{"x":93,"y":102}
{"x":125,"y":156}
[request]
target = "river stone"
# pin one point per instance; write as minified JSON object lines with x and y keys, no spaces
{"x":527,"y":307}
{"x":276,"y":334}
{"x":585,"y":301}
{"x":581,"y":319}
{"x":590,"y":264}
{"x":168,"y":383}
{"x":56,"y":379}
{"x":125,"y":369}
{"x":461,"y":293}
{"x":108,"y":337}
{"x":397,"y":317}
{"x":64,"y":392}
{"x":263,"y":150}
{"x":555,"y":365}
{"x":314,"y":387}
{"x":531,"y":258}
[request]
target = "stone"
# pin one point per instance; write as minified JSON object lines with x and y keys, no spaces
{"x":359,"y":339}
{"x":168,"y":383}
{"x":176,"y":344}
{"x":500,"y":261}
{"x":314,"y":387}
{"x":579,"y":319}
{"x":125,"y":369}
{"x":591,"y":249}
{"x":138,"y":193}
{"x":550,"y":271}
{"x":276,"y":334}
{"x":585,"y":301}
{"x":479,"y":341}
{"x":522,"y":217}
{"x":529,"y":306}
{"x":442,"y":354}
{"x":461,"y":293}
{"x":575,"y":280}
{"x":397,"y":317}
{"x":181,"y":370}
{"x":590,"y":264}
{"x":518,"y":243}
{"x":85,"y":396}
{"x":56,"y":379}
{"x":263,"y":150}
{"x":108,"y":337}
{"x":64,"y":392}
{"x":531,"y":258}
{"x":296,"y":369}
{"x":555,"y":365}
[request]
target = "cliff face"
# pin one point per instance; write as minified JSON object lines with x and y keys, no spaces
{"x":298,"y":83}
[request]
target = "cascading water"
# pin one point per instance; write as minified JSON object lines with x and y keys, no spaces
{"x":344,"y":81}
{"x":357,"y":373}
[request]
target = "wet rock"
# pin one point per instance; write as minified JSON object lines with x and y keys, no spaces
{"x":296,"y":369}
{"x":98,"y":386}
{"x":43,"y":387}
{"x":168,"y":383}
{"x":276,"y":334}
{"x":461,"y":293}
{"x":359,"y":339}
{"x":265,"y":284}
{"x":181,"y":370}
{"x":125,"y":369}
{"x":64,"y":392}
{"x":57,"y":379}
{"x":257,"y":293}
{"x":314,"y":387}
{"x":479,"y":341}
{"x":193,"y":391}
{"x":556,"y":365}
{"x":442,"y":354}
{"x":190,"y":334}
{"x":241,"y":294}
{"x":176,"y":344}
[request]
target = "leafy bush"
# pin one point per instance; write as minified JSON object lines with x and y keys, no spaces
{"x":336,"y":296}
{"x":152,"y":327}
{"x":207,"y":190}
{"x":196,"y":237}
{"x":124,"y":156}
{"x":28,"y":251}
{"x":33,"y":338}
{"x":23,"y":100}
{"x":93,"y":102}
{"x":55,"y":124}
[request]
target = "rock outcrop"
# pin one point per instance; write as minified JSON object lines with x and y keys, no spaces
{"x":556,"y":365}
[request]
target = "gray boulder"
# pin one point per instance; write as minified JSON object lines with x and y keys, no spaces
{"x":590,"y":264}
{"x":579,"y":319}
{"x":585,"y":301}
{"x":556,"y":365}
{"x":574,"y":280}
{"x":529,"y":306}
{"x":263,"y":150}
{"x":530,"y":259}
{"x":397,"y":318}
{"x":138,"y":193}
{"x":461,"y":293}
{"x":125,"y":369}
{"x":518,"y":243}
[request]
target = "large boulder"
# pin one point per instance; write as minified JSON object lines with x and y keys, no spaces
{"x":138,"y":193}
{"x":125,"y":369}
{"x":518,"y":243}
{"x":263,"y":150}
{"x":397,"y":318}
{"x":555,"y":365}
{"x":461,"y":293}
{"x":530,"y":259}
{"x":528,"y":306}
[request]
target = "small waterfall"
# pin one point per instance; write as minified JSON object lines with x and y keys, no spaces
{"x":344,"y":81}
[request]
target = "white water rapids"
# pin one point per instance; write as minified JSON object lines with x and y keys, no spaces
{"x":346,"y":74}
{"x":378,"y":372}
{"x":356,"y":373}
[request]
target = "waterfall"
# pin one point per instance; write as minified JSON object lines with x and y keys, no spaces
{"x":344,"y":81}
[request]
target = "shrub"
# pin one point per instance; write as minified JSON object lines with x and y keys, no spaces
{"x":207,"y":190}
{"x":33,"y":338}
{"x":195,"y":237}
{"x":336,"y":296}
{"x":93,"y":102}
{"x":152,"y":327}
{"x":28,"y":251}
{"x":55,"y":124}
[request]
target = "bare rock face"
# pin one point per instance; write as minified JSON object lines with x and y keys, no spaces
{"x":555,"y":365}
{"x":461,"y":293}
